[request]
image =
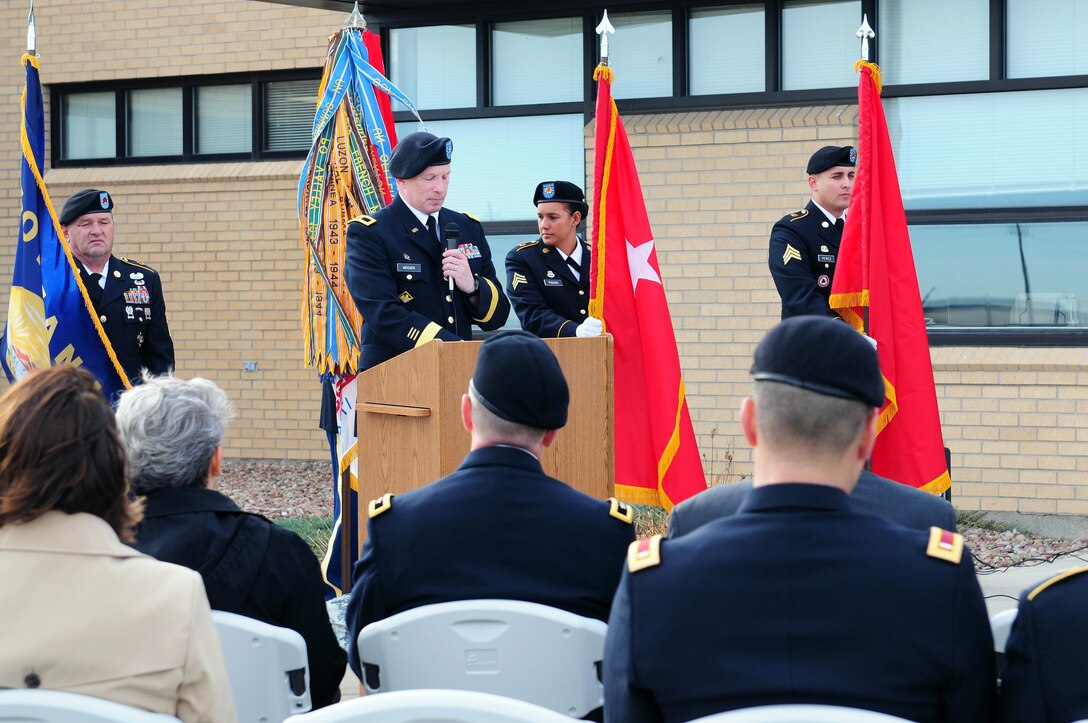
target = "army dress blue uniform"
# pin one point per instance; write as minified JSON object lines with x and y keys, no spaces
{"x":394,"y":274}
{"x":803,"y":250}
{"x":497,"y":527}
{"x":548,"y":300}
{"x":132,"y":312}
{"x":799,"y":599}
{"x":1043,"y":681}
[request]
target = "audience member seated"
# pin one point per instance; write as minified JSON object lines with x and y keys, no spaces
{"x":798,"y":598}
{"x":79,"y":610}
{"x":172,"y":431}
{"x":498,"y":527}
{"x":1043,"y":681}
{"x":873,"y":495}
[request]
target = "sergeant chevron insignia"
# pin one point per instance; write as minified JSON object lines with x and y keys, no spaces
{"x":518,"y":279}
{"x":791,"y":253}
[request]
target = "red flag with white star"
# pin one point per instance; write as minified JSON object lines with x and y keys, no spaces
{"x":657,"y":458}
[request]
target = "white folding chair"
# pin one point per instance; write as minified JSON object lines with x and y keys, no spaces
{"x":1001,"y":626}
{"x":56,"y":706}
{"x":429,"y":706}
{"x":800,"y":714}
{"x":516,"y":649}
{"x":267,"y":667}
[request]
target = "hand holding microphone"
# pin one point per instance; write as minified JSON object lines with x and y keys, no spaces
{"x":455,"y":265}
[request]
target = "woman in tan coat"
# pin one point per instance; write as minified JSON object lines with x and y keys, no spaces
{"x":79,"y":610}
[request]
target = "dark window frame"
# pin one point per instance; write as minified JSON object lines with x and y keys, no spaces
{"x":189,"y":84}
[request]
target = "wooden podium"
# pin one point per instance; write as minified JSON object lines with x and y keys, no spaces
{"x":409,"y":419}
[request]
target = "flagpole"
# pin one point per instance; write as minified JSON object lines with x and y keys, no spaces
{"x":31,"y":34}
{"x":356,"y":19}
{"x":865,"y":32}
{"x":604,"y":29}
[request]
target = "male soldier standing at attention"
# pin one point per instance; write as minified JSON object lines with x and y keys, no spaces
{"x":127,"y":296}
{"x":408,"y":284}
{"x":805,"y":244}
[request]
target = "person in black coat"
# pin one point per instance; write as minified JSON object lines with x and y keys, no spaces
{"x":547,"y":280}
{"x":127,"y":296}
{"x":398,"y":263}
{"x":805,"y":245}
{"x":798,"y":598}
{"x":497,"y":527}
{"x":172,"y":430}
{"x":872,"y":495}
{"x":1043,"y":680}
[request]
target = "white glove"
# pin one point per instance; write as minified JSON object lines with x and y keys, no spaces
{"x":590,"y":327}
{"x":871,"y":340}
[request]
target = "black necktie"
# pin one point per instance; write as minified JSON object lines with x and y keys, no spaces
{"x":840,"y":224}
{"x":574,"y":265}
{"x":94,"y":290}
{"x":432,"y":226}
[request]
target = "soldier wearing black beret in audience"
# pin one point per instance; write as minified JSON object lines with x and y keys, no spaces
{"x":127,"y":296}
{"x":398,"y":264}
{"x":805,"y":245}
{"x":1044,"y":676}
{"x":798,"y":598}
{"x":497,"y":527}
{"x":548,"y":279}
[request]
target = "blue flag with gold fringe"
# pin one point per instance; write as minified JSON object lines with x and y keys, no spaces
{"x":49,"y":314}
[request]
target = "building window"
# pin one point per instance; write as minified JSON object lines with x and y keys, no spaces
{"x":434,"y":66}
{"x":224,"y":115}
{"x":184,"y":119}
{"x":819,"y":47}
{"x":642,"y":54}
{"x":1046,"y":38}
{"x":934,"y":41}
{"x":537,"y":61}
{"x":90,"y":128}
{"x":727,"y":45}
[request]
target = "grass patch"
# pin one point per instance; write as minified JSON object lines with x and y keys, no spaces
{"x":977,"y":518}
{"x":314,"y":531}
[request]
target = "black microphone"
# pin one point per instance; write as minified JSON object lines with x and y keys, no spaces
{"x":453,"y":236}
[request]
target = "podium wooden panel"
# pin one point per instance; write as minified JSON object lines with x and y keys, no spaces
{"x":409,"y":419}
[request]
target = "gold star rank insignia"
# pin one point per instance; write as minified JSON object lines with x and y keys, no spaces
{"x":791,"y":253}
{"x":518,"y":279}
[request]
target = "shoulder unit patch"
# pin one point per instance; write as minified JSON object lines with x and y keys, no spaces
{"x":380,"y":505}
{"x":1056,"y":579}
{"x":620,"y":511}
{"x":365,"y":220}
{"x":644,"y":553}
{"x":945,"y":545}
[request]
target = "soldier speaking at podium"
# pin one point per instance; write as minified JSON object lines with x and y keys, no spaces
{"x":805,"y":244}
{"x":418,"y":271}
{"x":548,"y":279}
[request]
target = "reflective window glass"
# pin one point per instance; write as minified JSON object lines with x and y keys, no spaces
{"x":155,"y":122}
{"x":486,"y":183}
{"x":727,"y":46}
{"x":90,"y":126}
{"x":978,"y":150}
{"x":537,"y":61}
{"x":1047,"y":37}
{"x":934,"y":41}
{"x":984,"y":275}
{"x":819,"y":43}
{"x":434,"y":66}
{"x":224,"y":119}
{"x":289,"y":108}
{"x":641,"y":54}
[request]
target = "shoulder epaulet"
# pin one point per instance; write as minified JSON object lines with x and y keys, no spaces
{"x":380,"y":505}
{"x":526,"y":245}
{"x":1056,"y":579}
{"x":620,"y":511}
{"x":473,"y":218}
{"x":138,"y":264}
{"x":798,"y":214}
{"x":365,"y":220}
{"x":644,"y":553}
{"x":945,"y":545}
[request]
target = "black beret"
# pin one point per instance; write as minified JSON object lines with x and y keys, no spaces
{"x":519,"y":379}
{"x":88,"y":200}
{"x":822,"y":355}
{"x":560,"y":192}
{"x":418,"y":151}
{"x":831,"y":156}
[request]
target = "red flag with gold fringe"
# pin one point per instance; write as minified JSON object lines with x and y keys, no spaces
{"x":875,"y":272}
{"x":657,"y":458}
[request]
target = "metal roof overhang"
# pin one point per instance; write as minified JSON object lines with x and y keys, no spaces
{"x":419,"y":11}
